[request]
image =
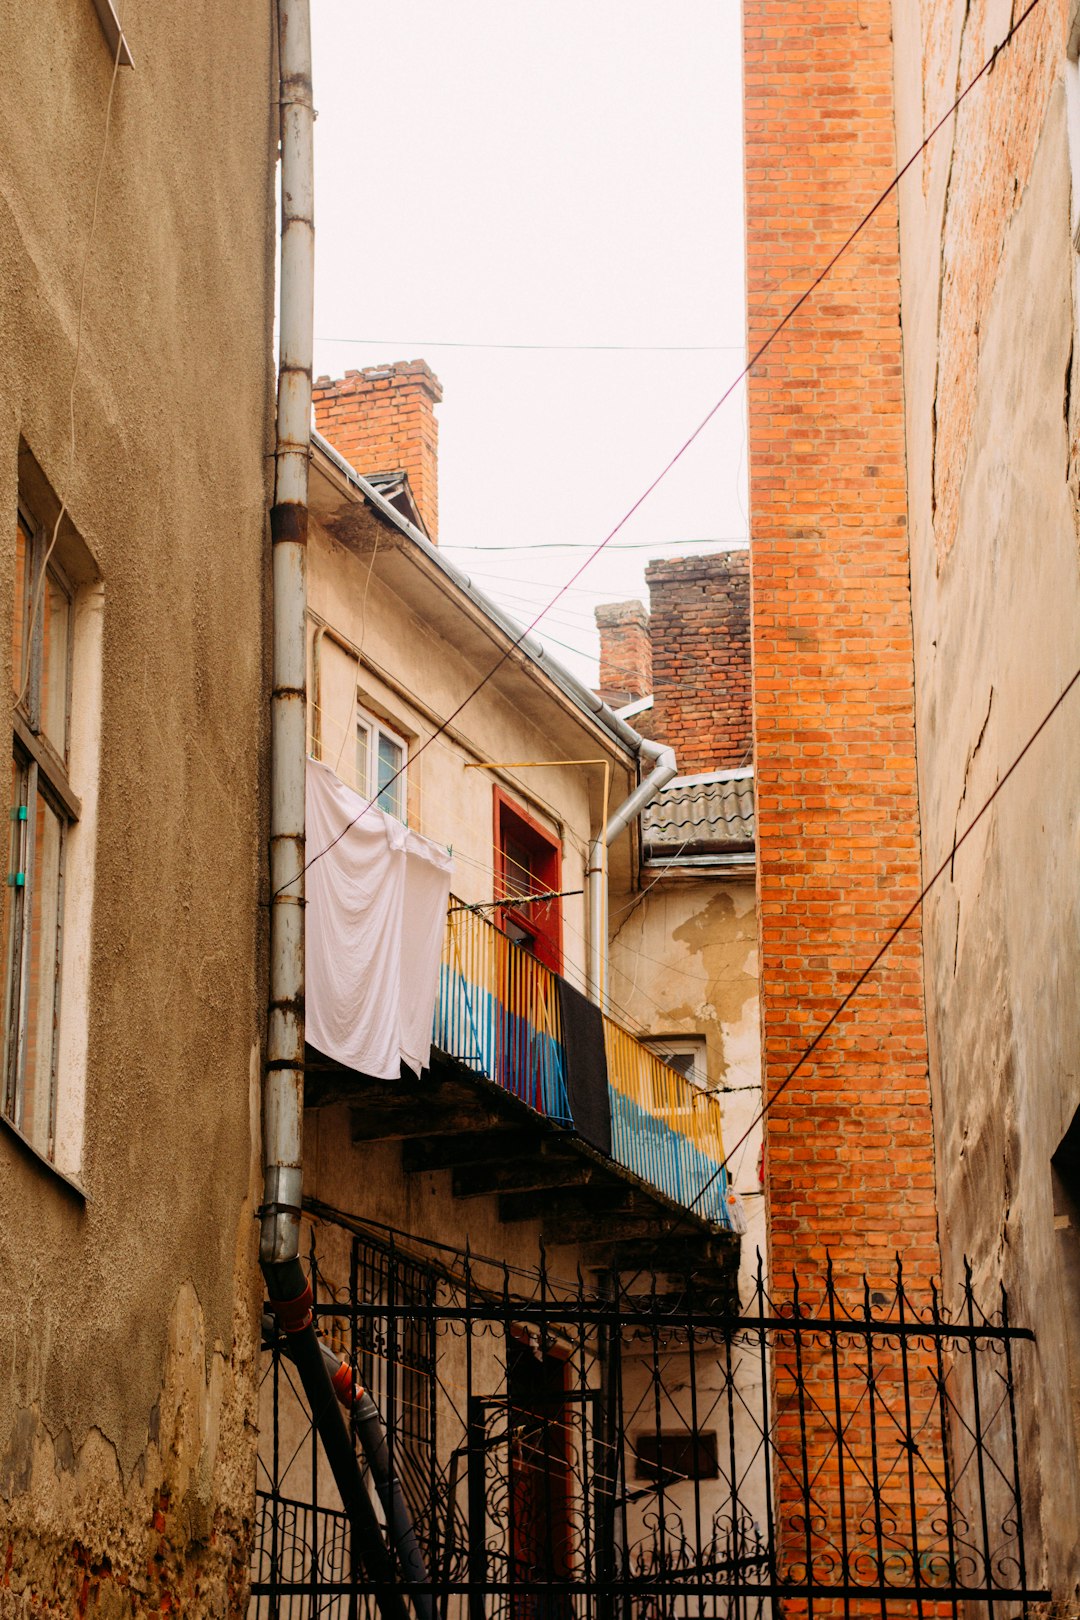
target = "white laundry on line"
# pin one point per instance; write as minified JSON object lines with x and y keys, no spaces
{"x":374,"y":927}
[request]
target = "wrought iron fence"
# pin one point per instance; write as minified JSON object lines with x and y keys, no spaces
{"x":498,"y":1012}
{"x":634,"y":1453}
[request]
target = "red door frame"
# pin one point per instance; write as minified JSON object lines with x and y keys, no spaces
{"x":542,"y":922}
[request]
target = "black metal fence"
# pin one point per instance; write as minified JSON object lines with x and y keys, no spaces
{"x":636,"y":1453}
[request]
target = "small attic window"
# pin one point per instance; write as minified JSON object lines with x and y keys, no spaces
{"x":114,"y":34}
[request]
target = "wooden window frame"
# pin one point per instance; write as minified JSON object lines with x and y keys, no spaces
{"x":543,"y":923}
{"x":38,"y":770}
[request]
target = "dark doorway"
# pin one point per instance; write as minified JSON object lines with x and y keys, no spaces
{"x":539,"y":1483}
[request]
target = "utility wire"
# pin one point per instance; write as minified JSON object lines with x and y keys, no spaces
{"x":736,"y":542}
{"x":550,"y":348}
{"x":889,"y":940}
{"x":762,"y":348}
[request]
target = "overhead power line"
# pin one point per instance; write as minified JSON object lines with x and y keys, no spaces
{"x":762,"y":348}
{"x":546,"y":348}
{"x":891,"y":938}
{"x":733,"y":541}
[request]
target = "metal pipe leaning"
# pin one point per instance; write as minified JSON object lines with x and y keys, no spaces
{"x":291,"y":1314}
{"x":369,"y":1429}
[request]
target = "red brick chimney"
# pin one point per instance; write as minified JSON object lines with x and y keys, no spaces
{"x":382,"y":420}
{"x":625,"y":652}
{"x":699,"y":627}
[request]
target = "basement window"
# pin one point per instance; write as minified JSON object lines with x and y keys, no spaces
{"x":676,"y":1455}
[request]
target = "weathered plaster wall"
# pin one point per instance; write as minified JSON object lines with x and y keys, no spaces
{"x":987,"y":274}
{"x":127,"y":1328}
{"x":683,"y":961}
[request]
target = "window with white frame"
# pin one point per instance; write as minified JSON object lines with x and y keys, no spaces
{"x":381,"y":764}
{"x":43,"y":809}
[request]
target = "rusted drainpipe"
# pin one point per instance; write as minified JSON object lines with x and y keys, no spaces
{"x":283,"y":1096}
{"x":283,"y":1103}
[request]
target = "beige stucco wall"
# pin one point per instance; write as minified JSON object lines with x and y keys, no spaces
{"x":127,"y":1328}
{"x":996,"y":609}
{"x":449,"y":799}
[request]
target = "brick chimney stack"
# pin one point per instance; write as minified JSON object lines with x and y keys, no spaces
{"x":382,"y":420}
{"x":625,"y":652}
{"x":700,"y":633}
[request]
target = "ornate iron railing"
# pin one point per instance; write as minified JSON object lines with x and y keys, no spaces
{"x":637,"y":1454}
{"x":498,"y":1012}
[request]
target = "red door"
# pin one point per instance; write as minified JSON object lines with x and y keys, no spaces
{"x":539,"y":1484}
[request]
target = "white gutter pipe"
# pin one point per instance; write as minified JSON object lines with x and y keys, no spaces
{"x":283,"y":1100}
{"x":596,"y":878}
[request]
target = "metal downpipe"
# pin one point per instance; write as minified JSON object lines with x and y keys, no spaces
{"x":283,"y":1094}
{"x":283,"y":1098}
{"x":665,"y":767}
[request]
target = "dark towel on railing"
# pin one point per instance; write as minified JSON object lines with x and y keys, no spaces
{"x":586,"y":1067}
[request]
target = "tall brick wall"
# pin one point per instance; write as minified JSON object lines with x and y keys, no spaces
{"x":849,"y":1157}
{"x":625,"y":651}
{"x":699,"y":626}
{"x":382,"y":420}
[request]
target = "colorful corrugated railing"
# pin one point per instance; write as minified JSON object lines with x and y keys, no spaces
{"x":498,"y":1013}
{"x":665,"y":1128}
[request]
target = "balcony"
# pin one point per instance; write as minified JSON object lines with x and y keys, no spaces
{"x":498,"y":1014}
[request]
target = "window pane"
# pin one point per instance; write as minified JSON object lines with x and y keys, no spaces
{"x":519,"y":868}
{"x":55,"y":621}
{"x":18,"y":616}
{"x":391,"y":757}
{"x":43,"y":905}
{"x":363,"y":743}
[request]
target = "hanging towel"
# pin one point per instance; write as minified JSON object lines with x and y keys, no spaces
{"x":374,"y":925}
{"x":586,"y":1067}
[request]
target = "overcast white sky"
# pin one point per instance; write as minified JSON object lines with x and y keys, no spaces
{"x":544,"y":172}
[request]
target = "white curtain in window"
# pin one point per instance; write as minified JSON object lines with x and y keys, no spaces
{"x":374,"y":927}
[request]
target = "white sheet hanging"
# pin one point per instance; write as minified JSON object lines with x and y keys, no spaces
{"x":374,"y":927}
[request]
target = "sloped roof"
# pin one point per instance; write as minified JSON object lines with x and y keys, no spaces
{"x":708,"y":814}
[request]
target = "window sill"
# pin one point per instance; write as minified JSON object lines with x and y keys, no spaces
{"x":73,"y":1186}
